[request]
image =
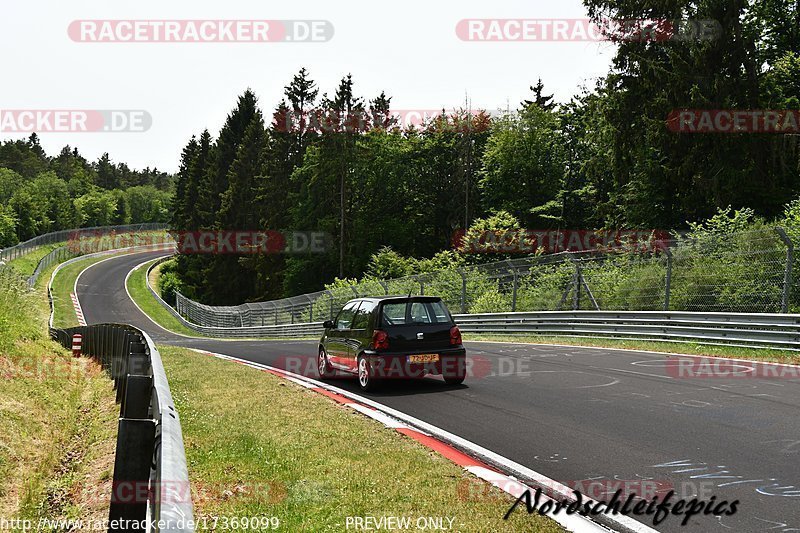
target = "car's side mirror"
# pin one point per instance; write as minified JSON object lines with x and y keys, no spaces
{"x":328,"y":324}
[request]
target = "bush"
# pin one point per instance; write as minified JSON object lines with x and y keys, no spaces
{"x":169,"y":282}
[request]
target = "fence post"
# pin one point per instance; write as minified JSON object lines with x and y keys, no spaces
{"x":463,"y":290}
{"x":421,"y":285}
{"x":310,"y":308}
{"x":576,"y":297}
{"x":787,"y":275}
{"x":515,"y":285}
{"x":668,"y":281}
{"x":385,"y":287}
{"x":330,"y":294}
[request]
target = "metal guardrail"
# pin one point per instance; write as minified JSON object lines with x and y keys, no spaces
{"x":150,"y":458}
{"x":730,"y":329}
{"x":757,"y":330}
{"x":311,"y":329}
{"x":751,"y":271}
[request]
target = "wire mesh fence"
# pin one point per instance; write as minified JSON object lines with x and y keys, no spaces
{"x":60,"y":254}
{"x":80,"y":242}
{"x":746,"y":272}
{"x":23,"y":248}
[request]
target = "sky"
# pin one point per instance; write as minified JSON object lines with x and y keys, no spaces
{"x":410,"y":50}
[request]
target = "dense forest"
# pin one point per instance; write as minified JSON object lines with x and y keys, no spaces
{"x":40,"y":193}
{"x":603,"y":159}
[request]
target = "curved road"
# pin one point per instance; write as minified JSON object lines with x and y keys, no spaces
{"x":573,"y":414}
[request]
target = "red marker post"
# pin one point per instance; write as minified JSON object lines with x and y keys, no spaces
{"x":77,"y":340}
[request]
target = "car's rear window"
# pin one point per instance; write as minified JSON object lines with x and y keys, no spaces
{"x":414,"y":312}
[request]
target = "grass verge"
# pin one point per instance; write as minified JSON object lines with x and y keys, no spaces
{"x":137,"y":287}
{"x":259,"y":446}
{"x":759,"y":354}
{"x":58,"y":419}
{"x":26,"y":264}
{"x":63,"y":285}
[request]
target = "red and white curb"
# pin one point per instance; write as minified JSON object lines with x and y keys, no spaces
{"x":78,"y":309}
{"x":441,"y":442}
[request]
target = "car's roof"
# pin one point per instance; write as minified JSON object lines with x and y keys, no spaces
{"x":396,"y":297}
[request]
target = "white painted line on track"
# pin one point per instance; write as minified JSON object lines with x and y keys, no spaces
{"x":410,"y":426}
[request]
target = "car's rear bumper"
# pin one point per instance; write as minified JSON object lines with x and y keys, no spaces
{"x":396,"y":365}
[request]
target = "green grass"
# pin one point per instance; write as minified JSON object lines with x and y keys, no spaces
{"x":26,"y":264}
{"x":137,"y":287}
{"x":773,"y":355}
{"x":63,"y":284}
{"x":258,"y":445}
{"x":152,"y":308}
{"x":58,"y":418}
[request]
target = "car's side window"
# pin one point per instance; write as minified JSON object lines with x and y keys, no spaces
{"x":345,"y":317}
{"x":362,"y":315}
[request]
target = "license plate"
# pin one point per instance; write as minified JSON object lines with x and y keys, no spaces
{"x":424,"y":358}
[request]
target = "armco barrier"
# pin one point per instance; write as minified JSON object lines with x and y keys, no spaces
{"x":151,"y":480}
{"x":761,"y":330}
{"x":311,"y":329}
{"x":730,"y":329}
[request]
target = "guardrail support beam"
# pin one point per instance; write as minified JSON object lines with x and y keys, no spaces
{"x":135,"y":442}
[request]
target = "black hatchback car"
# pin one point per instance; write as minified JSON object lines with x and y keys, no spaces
{"x":393,"y":337}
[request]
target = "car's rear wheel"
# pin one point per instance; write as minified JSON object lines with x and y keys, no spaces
{"x":323,"y":366}
{"x":366,"y":379}
{"x":458,"y":375}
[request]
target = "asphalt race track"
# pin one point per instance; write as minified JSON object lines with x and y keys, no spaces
{"x":573,"y":414}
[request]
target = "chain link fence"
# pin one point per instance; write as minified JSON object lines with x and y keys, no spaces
{"x":747,"y":272}
{"x":80,"y":242}
{"x":23,"y":248}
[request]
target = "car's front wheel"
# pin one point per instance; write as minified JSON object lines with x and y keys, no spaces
{"x":366,"y":379}
{"x":323,"y":366}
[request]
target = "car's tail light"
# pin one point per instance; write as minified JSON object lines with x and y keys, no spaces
{"x":455,"y":335}
{"x":380,"y":340}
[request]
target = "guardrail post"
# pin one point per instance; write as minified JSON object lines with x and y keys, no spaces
{"x":787,"y":275}
{"x":134,"y":455}
{"x":668,"y":280}
{"x":119,"y":364}
{"x":138,"y":392}
{"x":463,"y":289}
